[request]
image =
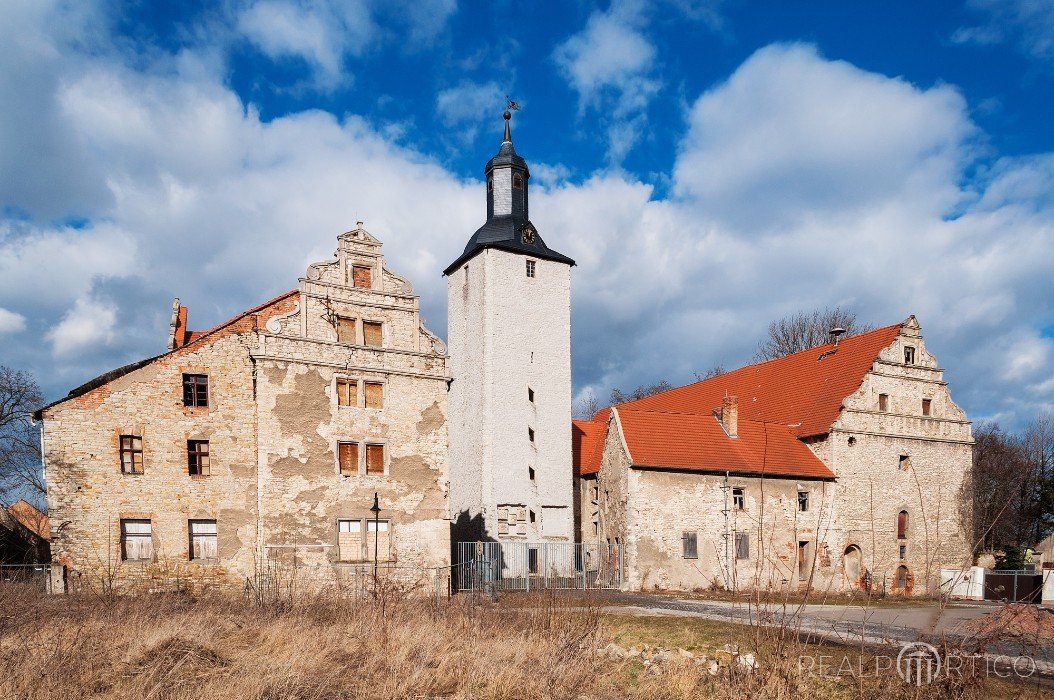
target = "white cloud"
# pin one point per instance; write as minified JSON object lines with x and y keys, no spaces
{"x":1028,"y":23}
{"x":88,"y":323}
{"x":11,"y":322}
{"x":323,"y":32}
{"x":611,"y":65}
{"x":468,"y":105}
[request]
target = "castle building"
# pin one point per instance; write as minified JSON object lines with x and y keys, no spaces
{"x":509,"y":334}
{"x":836,"y":468}
{"x":258,"y":446}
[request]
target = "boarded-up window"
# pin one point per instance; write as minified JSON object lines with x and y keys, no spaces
{"x":362,"y":276}
{"x":137,"y":543}
{"x":374,"y":459}
{"x":689,"y":545}
{"x":927,"y":407}
{"x":132,"y":454}
{"x":883,"y":402}
{"x":742,"y":545}
{"x":348,"y":456}
{"x":503,"y":520}
{"x":349,"y":540}
{"x":346,"y":330}
{"x":371,"y":333}
{"x":198,"y":462}
{"x":902,"y":525}
{"x":195,"y":390}
{"x":347,"y":392}
{"x":374,"y":395}
{"x":379,"y":539}
{"x":202,"y":539}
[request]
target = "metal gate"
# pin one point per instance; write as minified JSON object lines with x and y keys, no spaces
{"x":526,"y":566}
{"x":1013,"y":586}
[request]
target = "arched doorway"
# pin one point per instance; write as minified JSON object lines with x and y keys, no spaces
{"x":900,"y":582}
{"x":851,"y":563}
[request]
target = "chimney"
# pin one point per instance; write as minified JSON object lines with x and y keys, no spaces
{"x":730,"y":415}
{"x":836,"y":334}
{"x":173,"y":324}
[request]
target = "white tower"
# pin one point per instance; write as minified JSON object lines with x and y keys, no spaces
{"x":509,"y":338}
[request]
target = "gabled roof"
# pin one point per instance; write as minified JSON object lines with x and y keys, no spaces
{"x":190,"y":339}
{"x":31,"y":518}
{"x":587,"y":442}
{"x":804,"y":390}
{"x":695,"y":442}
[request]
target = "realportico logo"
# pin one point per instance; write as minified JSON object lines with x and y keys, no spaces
{"x":918,"y":663}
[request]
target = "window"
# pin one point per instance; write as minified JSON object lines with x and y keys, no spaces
{"x":903,"y":551}
{"x":195,"y":390}
{"x":530,"y":394}
{"x":532,"y":516}
{"x":905,"y":463}
{"x":512,"y":520}
{"x":803,"y":501}
{"x":517,"y":181}
{"x":530,"y":473}
{"x":345,"y":330}
{"x":902,"y":525}
{"x":490,"y":185}
{"x":909,"y":355}
{"x":378,"y":539}
{"x":689,"y":545}
{"x":532,"y":560}
{"x":202,"y":539}
{"x":927,"y":407}
{"x":349,"y":540}
{"x":739,"y":499}
{"x":803,"y":561}
{"x":198,"y":462}
{"x":137,"y":543}
{"x":372,"y":333}
{"x":347,"y":392}
{"x":131,"y":454}
{"x":375,"y":459}
{"x":596,"y":494}
{"x":883,"y":402}
{"x":374,"y":394}
{"x":742,"y":545}
{"x":530,"y":434}
{"x":362,"y":276}
{"x":530,"y":268}
{"x":348,"y":458}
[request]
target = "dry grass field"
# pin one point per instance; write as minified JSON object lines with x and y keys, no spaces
{"x":217,"y":646}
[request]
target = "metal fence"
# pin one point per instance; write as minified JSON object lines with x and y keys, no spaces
{"x":36,"y":575}
{"x":526,"y":566}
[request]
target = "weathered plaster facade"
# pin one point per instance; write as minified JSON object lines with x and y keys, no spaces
{"x":273,"y":423}
{"x":886,"y":461}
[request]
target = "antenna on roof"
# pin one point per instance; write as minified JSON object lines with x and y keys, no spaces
{"x":836,"y":334}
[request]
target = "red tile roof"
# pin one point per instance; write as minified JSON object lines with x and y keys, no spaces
{"x":587,"y":442}
{"x":31,"y":518}
{"x":780,"y":402}
{"x":698,"y":443}
{"x":799,"y":390}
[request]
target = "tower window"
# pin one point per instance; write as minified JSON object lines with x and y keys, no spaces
{"x":902,"y":525}
{"x":530,"y":268}
{"x":909,"y":355}
{"x":530,"y":473}
{"x":530,"y":434}
{"x":490,"y":185}
{"x":517,"y":181}
{"x":530,"y":394}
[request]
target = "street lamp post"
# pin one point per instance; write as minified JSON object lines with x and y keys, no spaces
{"x":376,"y":510}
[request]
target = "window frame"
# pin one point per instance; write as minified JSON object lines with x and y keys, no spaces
{"x":195,"y":391}
{"x":909,"y":355}
{"x":193,"y":536}
{"x":532,"y":269}
{"x":739,"y":498}
{"x":132,"y":451}
{"x":366,"y":384}
{"x":689,"y":544}
{"x":355,"y":267}
{"x":803,"y":504}
{"x":883,"y":403}
{"x":147,"y":537}
{"x":346,"y":381}
{"x":366,"y":458}
{"x":195,"y":455}
{"x":741,"y":543}
{"x":927,"y":408}
{"x":903,"y":524}
{"x":380,"y":330}
{"x":357,"y":469}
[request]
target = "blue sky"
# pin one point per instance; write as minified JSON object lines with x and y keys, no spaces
{"x":711,"y":166}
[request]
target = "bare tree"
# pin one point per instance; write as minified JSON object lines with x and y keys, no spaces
{"x":715,"y":371}
{"x":805,"y":330}
{"x":618,"y":396}
{"x":586,"y":407}
{"x":20,"y":471}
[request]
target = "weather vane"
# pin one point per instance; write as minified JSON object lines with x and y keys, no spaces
{"x":511,"y":105}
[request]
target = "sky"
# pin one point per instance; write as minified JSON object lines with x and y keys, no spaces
{"x":711,"y":166}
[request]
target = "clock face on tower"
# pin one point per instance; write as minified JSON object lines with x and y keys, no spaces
{"x":528,"y":234}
